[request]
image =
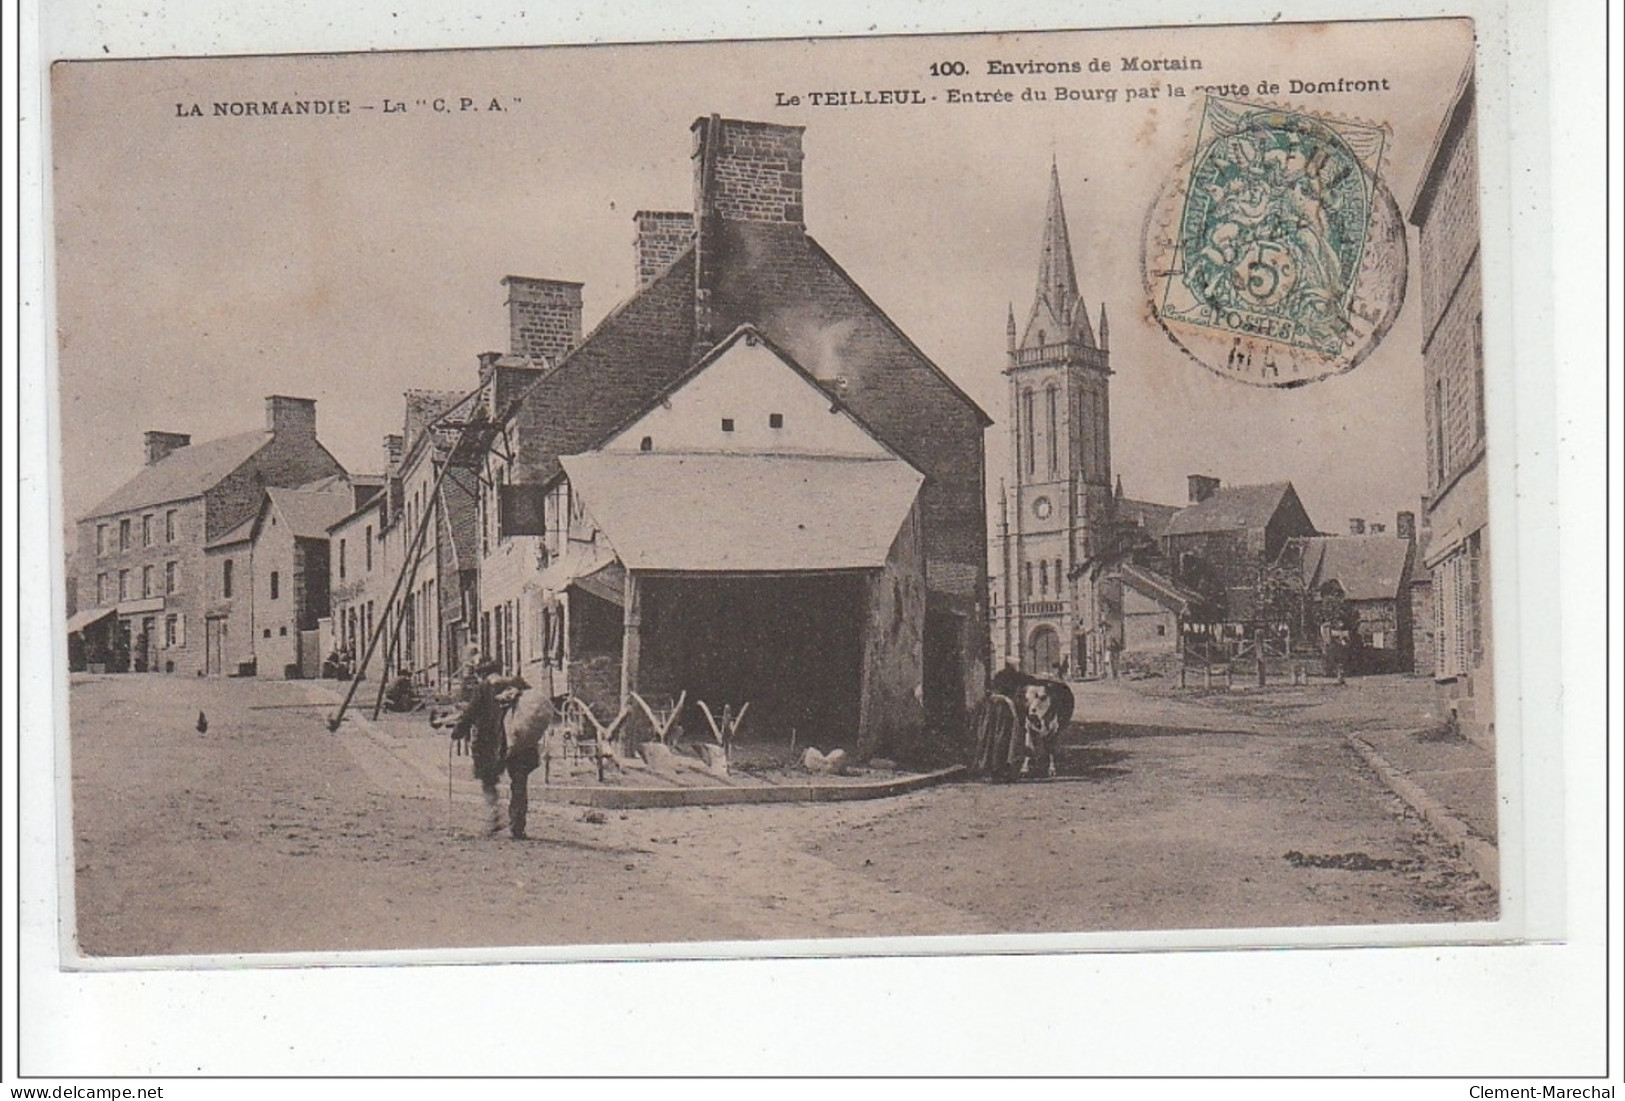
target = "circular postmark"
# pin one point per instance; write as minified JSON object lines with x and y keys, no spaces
{"x":1276,"y":256}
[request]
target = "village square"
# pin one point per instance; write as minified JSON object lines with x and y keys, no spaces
{"x":730,"y":615}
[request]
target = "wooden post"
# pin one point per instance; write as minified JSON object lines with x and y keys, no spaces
{"x":631,"y":640}
{"x":1259,"y":639}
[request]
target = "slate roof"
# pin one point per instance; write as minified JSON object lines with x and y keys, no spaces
{"x":310,"y":513}
{"x":1230,"y":508}
{"x":1164,"y":590}
{"x":776,"y":513}
{"x":1150,"y":515}
{"x":1367,"y":567}
{"x":242,"y":533}
{"x":777,"y":279}
{"x":632,"y":354}
{"x":184,"y":473}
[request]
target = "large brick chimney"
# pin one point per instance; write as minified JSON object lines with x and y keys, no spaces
{"x":663,"y":236}
{"x":748,"y":171}
{"x":745,"y":174}
{"x":394,"y":452}
{"x":544,"y":317}
{"x":504,"y":379}
{"x":1200,"y":487}
{"x":291,"y":417}
{"x":161,"y":444}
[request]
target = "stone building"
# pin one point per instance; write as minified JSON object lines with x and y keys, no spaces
{"x":1218,"y":544}
{"x":742,"y":268}
{"x":1373,"y":575}
{"x":268,"y":583}
{"x":143,"y":596}
{"x":1446,"y":215}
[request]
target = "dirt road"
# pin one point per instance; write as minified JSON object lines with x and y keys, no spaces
{"x":267,"y":833}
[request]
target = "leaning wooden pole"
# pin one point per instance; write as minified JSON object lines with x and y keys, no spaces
{"x":409,"y":566}
{"x":400,"y":618}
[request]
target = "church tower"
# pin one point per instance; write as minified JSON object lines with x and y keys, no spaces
{"x":1057,"y":486}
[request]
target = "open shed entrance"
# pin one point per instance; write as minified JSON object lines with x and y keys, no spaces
{"x":791,"y":645}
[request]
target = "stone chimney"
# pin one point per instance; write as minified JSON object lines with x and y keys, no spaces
{"x":161,"y":444}
{"x":1405,"y":525}
{"x":1356,"y":526}
{"x":290,"y":417}
{"x":544,"y":317}
{"x":394,"y":452}
{"x":748,"y":171}
{"x":1201,"y":487}
{"x":503,"y":382}
{"x":663,"y":236}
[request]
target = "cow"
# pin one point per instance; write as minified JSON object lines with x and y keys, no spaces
{"x":1022,"y":721}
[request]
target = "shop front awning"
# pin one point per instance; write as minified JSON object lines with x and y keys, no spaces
{"x":725,"y":513}
{"x":88,"y":618}
{"x":590,"y":567}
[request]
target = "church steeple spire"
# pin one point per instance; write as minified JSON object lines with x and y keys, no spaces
{"x":1057,"y":279}
{"x":1058,"y":313}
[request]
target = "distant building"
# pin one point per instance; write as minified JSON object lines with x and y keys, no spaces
{"x":141,"y":562}
{"x":1372,"y":573}
{"x":277,"y":566}
{"x":363,"y":567}
{"x":1220,"y":543}
{"x":1446,"y":215}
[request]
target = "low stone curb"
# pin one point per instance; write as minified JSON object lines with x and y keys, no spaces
{"x":1483,"y":857}
{"x":644,"y":798}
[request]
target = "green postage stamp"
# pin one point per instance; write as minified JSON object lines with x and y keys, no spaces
{"x":1282,"y":255}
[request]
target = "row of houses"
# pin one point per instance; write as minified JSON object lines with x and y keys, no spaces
{"x":745,"y":485}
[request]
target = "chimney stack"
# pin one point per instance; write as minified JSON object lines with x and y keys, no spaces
{"x":748,"y":171}
{"x":291,"y":417}
{"x":503,"y":382}
{"x":663,"y":236}
{"x":1356,"y":526}
{"x":1201,"y":487}
{"x":1405,"y":525}
{"x":161,"y":444}
{"x":394,"y":452}
{"x":544,"y":317}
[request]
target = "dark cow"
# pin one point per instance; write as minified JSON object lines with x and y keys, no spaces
{"x":1022,"y":722}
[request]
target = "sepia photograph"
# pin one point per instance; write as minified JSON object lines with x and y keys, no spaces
{"x":777,"y":491}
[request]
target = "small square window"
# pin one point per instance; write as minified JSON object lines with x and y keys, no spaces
{"x":647,"y":443}
{"x":282,"y":630}
{"x":775,"y":420}
{"x":267,"y":632}
{"x":727,"y":424}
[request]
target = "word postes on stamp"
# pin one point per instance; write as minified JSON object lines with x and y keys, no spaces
{"x":1278,"y":257}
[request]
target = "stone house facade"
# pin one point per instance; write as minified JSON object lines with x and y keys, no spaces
{"x":143,"y":579}
{"x":1446,"y":216}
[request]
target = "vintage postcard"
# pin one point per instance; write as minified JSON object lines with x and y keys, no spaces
{"x":804,"y":495}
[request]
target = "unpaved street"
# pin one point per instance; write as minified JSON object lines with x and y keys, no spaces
{"x":267,"y":833}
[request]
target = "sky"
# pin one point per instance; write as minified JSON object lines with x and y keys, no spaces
{"x":202,"y":263}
